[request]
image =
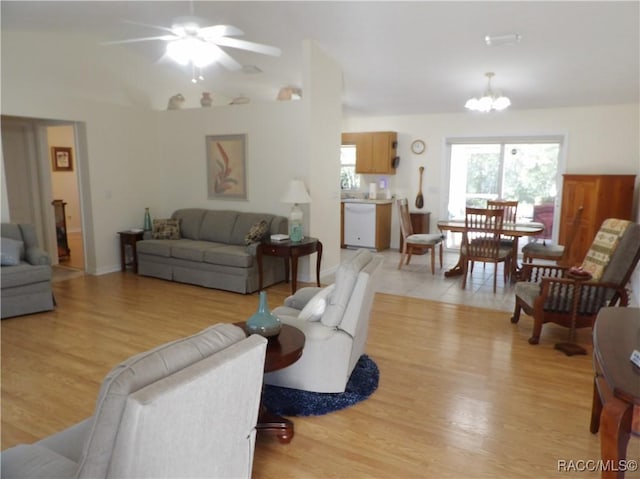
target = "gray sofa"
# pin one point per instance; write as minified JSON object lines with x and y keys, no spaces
{"x":26,"y":272}
{"x":211,"y":251}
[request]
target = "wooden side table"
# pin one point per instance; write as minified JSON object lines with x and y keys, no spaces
{"x":282,"y":351}
{"x":615,"y":410}
{"x":290,"y":251}
{"x":129,"y":238}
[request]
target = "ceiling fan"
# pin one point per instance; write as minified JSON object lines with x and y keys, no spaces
{"x":189,"y":43}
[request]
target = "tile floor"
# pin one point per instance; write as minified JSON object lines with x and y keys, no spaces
{"x":415,"y":280}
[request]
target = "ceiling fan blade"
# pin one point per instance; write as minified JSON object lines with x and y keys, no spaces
{"x":157,"y":27}
{"x":215,"y":31}
{"x":245,"y":45}
{"x":226,"y":60}
{"x":143,"y":39}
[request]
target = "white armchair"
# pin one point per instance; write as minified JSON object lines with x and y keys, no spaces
{"x":184,"y":409}
{"x":335,"y":321}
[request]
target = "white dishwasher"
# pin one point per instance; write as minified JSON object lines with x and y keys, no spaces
{"x":360,"y":225}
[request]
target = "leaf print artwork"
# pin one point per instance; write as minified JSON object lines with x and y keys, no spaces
{"x":226,"y":166}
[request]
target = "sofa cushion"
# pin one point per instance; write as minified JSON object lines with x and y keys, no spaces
{"x":229,"y":255}
{"x":157,"y":247}
{"x":166,"y":229}
{"x":138,"y":372}
{"x":24,"y":273}
{"x":257,"y":232}
{"x":36,"y":462}
{"x":244,"y":223}
{"x":190,"y":221}
{"x":11,"y":230}
{"x":193,"y":250}
{"x":346,"y":277}
{"x":217,"y":226}
{"x":11,"y":251}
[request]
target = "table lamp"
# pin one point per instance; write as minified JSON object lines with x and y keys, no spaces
{"x":297,"y":194}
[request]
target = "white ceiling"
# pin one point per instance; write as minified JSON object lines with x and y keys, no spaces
{"x":397,"y":57}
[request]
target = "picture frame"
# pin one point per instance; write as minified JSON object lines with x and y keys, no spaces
{"x":62,"y":158}
{"x":227,"y":166}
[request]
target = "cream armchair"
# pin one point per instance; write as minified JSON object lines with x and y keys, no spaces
{"x":184,"y":409}
{"x":335,"y":321}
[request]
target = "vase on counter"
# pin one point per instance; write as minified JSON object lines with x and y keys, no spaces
{"x":263,"y":322}
{"x":206,"y":99}
{"x":147,"y":220}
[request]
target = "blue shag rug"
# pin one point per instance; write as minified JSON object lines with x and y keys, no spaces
{"x":293,"y":402}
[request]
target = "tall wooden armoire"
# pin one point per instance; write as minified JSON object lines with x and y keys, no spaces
{"x":602,"y":197}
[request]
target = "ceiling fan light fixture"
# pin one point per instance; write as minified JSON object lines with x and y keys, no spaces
{"x":489,"y":101}
{"x":191,"y":50}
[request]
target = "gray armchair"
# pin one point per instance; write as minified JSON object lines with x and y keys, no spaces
{"x":25,"y":273}
{"x":335,"y":322}
{"x":187,"y":408}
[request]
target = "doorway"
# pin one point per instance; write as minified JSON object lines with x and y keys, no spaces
{"x":34,"y":177}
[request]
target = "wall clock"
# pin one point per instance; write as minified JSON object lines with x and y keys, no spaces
{"x":418,"y":147}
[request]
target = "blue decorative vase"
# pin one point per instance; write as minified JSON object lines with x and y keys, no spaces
{"x":263,"y":322}
{"x":147,"y":220}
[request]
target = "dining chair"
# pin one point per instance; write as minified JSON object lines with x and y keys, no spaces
{"x":554,"y":252}
{"x":510,"y":213}
{"x":416,"y":243}
{"x":481,"y":241}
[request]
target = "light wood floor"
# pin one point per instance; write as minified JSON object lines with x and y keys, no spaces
{"x":462,"y":394}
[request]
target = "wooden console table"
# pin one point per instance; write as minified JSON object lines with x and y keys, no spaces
{"x":616,"y":387}
{"x":290,"y":251}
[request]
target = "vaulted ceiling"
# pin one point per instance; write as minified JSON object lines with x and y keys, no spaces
{"x":397,"y":57}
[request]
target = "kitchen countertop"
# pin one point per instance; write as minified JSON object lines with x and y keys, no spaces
{"x":367,"y":201}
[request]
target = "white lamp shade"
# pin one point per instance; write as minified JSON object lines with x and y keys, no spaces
{"x":296,"y":193}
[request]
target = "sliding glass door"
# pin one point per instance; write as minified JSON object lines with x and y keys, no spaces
{"x":526,"y":170}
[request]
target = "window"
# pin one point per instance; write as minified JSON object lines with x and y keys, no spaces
{"x":525,"y":170}
{"x":349,"y":180}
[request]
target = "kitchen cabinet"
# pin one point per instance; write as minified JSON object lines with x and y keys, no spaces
{"x":602,"y":197}
{"x":375,"y":151}
{"x":366,"y":225}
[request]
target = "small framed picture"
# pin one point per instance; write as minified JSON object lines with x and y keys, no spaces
{"x":62,"y":158}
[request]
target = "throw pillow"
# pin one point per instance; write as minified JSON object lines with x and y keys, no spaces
{"x":603,"y":246}
{"x":314,"y":309}
{"x":167,"y":229}
{"x":11,"y":251}
{"x":256,"y":232}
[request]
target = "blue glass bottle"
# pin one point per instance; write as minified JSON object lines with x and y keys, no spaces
{"x":147,"y":220}
{"x":263,"y":322}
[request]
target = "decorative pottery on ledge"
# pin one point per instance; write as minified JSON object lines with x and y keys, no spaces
{"x":263,"y":322}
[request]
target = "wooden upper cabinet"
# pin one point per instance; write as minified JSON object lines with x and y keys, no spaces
{"x":602,"y":197}
{"x":375,"y":151}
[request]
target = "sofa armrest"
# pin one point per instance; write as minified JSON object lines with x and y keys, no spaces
{"x":301,"y":297}
{"x":37,"y":256}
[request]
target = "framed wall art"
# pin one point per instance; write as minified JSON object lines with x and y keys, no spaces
{"x":227,"y":167}
{"x":62,"y":158}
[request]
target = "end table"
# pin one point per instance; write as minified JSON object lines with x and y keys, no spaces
{"x":129,"y":238}
{"x":290,"y":251}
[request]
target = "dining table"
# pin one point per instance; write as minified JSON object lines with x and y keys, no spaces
{"x":514,"y":230}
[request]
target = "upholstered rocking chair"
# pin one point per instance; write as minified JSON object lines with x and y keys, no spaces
{"x":552,"y":293}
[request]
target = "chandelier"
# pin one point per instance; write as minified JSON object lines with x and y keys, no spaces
{"x":489,"y":101}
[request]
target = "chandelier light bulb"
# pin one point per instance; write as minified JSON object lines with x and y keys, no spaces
{"x":489,"y":101}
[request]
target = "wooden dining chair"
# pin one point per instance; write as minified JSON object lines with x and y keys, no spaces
{"x":554,"y":252}
{"x":481,"y":241}
{"x":510,"y":213}
{"x":416,"y":243}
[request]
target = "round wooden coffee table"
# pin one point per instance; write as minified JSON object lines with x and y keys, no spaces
{"x":282,"y":350}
